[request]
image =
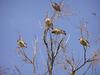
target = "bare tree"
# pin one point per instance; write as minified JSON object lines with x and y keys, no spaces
{"x":55,"y":40}
{"x":22,"y":45}
{"x":84,"y":41}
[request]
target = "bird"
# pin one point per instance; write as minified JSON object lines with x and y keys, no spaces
{"x":58,"y":31}
{"x":56,"y":6}
{"x":84,"y":42}
{"x":48,"y":23}
{"x":21,"y":43}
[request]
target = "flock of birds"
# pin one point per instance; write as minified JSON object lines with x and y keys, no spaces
{"x":57,"y":31}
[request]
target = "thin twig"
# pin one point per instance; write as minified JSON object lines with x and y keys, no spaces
{"x":70,"y":63}
{"x":17,"y":69}
{"x":58,"y":47}
{"x":87,"y":69}
{"x":27,"y":58}
{"x":84,"y":54}
{"x":87,"y":61}
{"x":51,"y":43}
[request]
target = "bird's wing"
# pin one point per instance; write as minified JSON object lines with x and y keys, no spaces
{"x":87,"y":41}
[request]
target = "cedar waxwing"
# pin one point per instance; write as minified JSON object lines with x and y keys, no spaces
{"x":21,"y":43}
{"x":58,"y":31}
{"x":48,"y":23}
{"x":84,"y":42}
{"x":56,"y":6}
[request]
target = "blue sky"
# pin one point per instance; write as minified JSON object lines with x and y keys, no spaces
{"x":27,"y":17}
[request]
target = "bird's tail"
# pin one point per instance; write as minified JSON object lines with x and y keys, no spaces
{"x":64,"y":32}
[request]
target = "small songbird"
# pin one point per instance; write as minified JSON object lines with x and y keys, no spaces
{"x":48,"y":23}
{"x":56,"y":6}
{"x":58,"y":31}
{"x":21,"y":43}
{"x":84,"y":42}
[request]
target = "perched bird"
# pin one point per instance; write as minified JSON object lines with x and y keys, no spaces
{"x":56,"y":6}
{"x":48,"y":23}
{"x":58,"y":31}
{"x":21,"y":43}
{"x":84,"y":42}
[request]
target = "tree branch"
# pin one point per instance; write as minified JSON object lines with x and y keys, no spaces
{"x":18,"y":70}
{"x":46,"y":44}
{"x":89,"y":60}
{"x":58,"y":48}
{"x":87,"y":69}
{"x":84,"y":54}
